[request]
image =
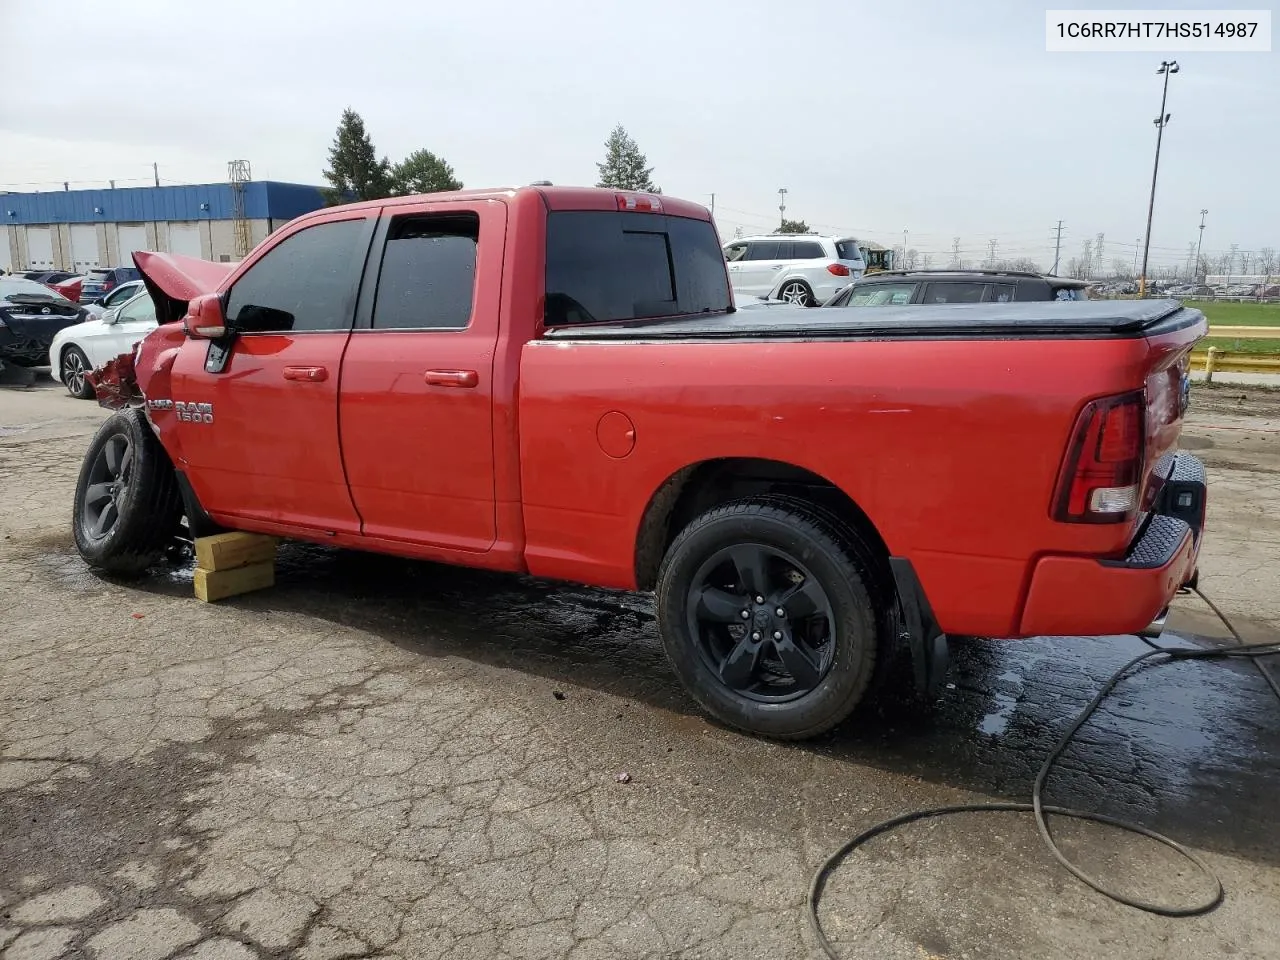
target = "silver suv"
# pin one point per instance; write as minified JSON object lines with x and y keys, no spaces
{"x":801,"y":268}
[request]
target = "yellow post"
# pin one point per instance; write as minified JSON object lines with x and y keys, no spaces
{"x":1209,"y":362}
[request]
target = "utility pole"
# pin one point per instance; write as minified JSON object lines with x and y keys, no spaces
{"x":1203,"y":214}
{"x":1099,"y":240}
{"x":1086,"y":257}
{"x":1168,"y":68}
{"x":155,"y":168}
{"x":782,"y":207}
{"x":955,"y":253}
{"x":1191,"y":260}
{"x":904,"y":250}
{"x":1137,"y":247}
{"x":991,"y":252}
{"x":1057,"y":250}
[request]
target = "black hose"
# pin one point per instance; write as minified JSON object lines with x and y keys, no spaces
{"x":1037,"y":807}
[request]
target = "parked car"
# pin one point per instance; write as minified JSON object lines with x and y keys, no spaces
{"x":117,"y":297}
{"x":899,"y":287}
{"x":102,"y":280}
{"x":799,"y":268}
{"x":554,"y":381}
{"x":70,"y":287}
{"x":30,"y":315}
{"x":48,"y":277}
{"x":78,"y":349}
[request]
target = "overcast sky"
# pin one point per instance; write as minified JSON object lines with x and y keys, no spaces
{"x":947,"y":119}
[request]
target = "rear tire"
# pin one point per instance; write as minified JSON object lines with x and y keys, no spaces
{"x":127,"y":504}
{"x":797,"y":292}
{"x":72,"y":368}
{"x":814,"y":677}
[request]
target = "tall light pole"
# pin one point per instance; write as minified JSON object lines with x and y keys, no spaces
{"x":782,"y":207}
{"x":1168,"y":68}
{"x":1203,"y":214}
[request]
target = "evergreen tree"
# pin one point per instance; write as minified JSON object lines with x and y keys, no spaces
{"x":355,"y":172}
{"x":793,"y":226}
{"x":423,"y":172}
{"x":624,"y":165}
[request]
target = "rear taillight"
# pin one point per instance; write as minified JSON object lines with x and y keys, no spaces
{"x":838,"y":269}
{"x":1102,"y":474}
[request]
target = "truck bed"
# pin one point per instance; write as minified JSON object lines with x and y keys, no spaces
{"x":1093,"y":320}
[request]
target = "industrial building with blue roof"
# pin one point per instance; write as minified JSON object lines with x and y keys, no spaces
{"x":77,"y":230}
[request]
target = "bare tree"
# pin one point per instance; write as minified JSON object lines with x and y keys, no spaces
{"x":1267,"y":260}
{"x":909,"y":261}
{"x":1120,"y":267}
{"x":926,"y":262}
{"x":1246,"y":259}
{"x":1077,"y":267}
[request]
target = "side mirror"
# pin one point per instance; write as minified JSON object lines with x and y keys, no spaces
{"x":204,"y":319}
{"x":110,"y":317}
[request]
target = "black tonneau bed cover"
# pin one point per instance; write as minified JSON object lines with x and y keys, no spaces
{"x":1092,"y":319}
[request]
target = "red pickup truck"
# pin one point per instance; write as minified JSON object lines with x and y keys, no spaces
{"x":554,"y":381}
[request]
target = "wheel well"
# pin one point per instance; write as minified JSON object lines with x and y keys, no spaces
{"x":700,"y":487}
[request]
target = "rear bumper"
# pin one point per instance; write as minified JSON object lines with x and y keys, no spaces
{"x":1090,"y":597}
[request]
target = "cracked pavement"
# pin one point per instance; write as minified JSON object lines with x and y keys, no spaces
{"x":380,"y":758}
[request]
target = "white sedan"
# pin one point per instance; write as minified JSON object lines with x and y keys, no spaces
{"x":116,"y":298}
{"x":77,"y":350}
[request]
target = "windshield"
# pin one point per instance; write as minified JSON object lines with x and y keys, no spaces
{"x":29,"y":289}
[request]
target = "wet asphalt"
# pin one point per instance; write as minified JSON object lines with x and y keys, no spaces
{"x":1190,"y":748}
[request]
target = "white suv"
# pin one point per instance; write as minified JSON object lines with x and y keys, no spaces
{"x":799,"y":268}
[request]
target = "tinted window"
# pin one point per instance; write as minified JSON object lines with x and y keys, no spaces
{"x":1001,"y":293}
{"x":428,"y":273}
{"x":962,"y":292}
{"x":306,"y":282}
{"x":807,"y":250}
{"x":624,"y":266}
{"x":848,"y":250}
{"x":1070,"y":293}
{"x":763,"y":250}
{"x":735,"y":251}
{"x":882,"y":294}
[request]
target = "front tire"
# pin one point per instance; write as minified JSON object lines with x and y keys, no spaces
{"x":73,"y":367}
{"x":768,"y":619}
{"x":127,"y":504}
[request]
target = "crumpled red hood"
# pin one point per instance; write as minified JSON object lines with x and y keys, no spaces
{"x":181,"y":277}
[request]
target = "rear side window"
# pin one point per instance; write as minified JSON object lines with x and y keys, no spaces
{"x":954,"y":292}
{"x":848,"y":250}
{"x":763,"y":250}
{"x":428,"y":274}
{"x":1001,"y":293}
{"x":882,"y":295}
{"x":1070,"y":293}
{"x":807,"y":250}
{"x":604,"y":266}
{"x":305,"y":282}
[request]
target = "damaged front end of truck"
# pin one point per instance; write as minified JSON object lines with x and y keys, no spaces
{"x":173,"y":281}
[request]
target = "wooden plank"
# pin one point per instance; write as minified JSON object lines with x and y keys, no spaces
{"x":226,"y":551}
{"x":212,"y":585}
